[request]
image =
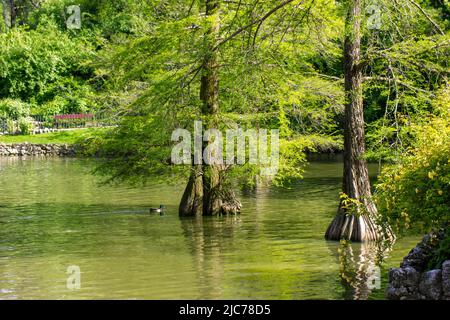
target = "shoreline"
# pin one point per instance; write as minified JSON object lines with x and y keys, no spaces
{"x":38,"y":149}
{"x":23,"y":149}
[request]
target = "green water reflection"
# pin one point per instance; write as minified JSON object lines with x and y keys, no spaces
{"x":54,"y":214}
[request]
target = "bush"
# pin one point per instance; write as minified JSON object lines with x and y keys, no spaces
{"x":10,"y":126}
{"x":36,"y":65}
{"x":25,"y":125}
{"x":13,"y":109}
{"x":441,"y":253}
{"x":415,"y":193}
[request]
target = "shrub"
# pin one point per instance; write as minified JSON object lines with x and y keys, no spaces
{"x":10,"y":126}
{"x":416,"y":191}
{"x":441,"y":253}
{"x":25,"y":125}
{"x":13,"y":109}
{"x":37,"y":65}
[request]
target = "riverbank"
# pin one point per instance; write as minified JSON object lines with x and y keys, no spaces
{"x":62,"y":143}
{"x":69,"y":143}
{"x":414,"y":281}
{"x":32,"y":149}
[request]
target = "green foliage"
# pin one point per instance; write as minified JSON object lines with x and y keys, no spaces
{"x":13,"y":109}
{"x":146,"y":152}
{"x":292,"y":160}
{"x":69,"y":95}
{"x":13,"y":115}
{"x":352,"y":206}
{"x":405,"y":64}
{"x":416,"y":191}
{"x":25,"y":125}
{"x":441,"y":253}
{"x":141,"y":61}
{"x":44,"y":67}
{"x":10,"y":126}
{"x":259,"y":83}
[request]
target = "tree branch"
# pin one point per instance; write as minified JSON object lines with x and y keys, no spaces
{"x":267,"y":15}
{"x":387,"y":79}
{"x":435,"y":25}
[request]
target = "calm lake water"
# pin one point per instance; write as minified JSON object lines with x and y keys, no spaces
{"x":54,"y":214}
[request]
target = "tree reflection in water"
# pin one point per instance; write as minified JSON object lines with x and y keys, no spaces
{"x":359,"y":266}
{"x":208,"y":238}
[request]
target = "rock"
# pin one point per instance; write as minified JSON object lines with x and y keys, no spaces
{"x":419,"y":256}
{"x":446,"y":279}
{"x":412,"y":278}
{"x":410,"y":281}
{"x":27,"y":149}
{"x":430,"y":286}
{"x":403,"y":283}
{"x":396,"y":293}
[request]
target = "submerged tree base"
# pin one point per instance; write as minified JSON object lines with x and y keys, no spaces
{"x":230,"y":204}
{"x":199,"y":200}
{"x":355,"y":228}
{"x":192,"y":201}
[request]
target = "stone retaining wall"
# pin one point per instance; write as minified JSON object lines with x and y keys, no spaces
{"x":412,"y":282}
{"x":29,"y":149}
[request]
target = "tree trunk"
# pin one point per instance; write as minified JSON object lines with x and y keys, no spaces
{"x":216,"y":199}
{"x":9,"y":13}
{"x":357,"y":226}
{"x":192,"y":201}
{"x":12,"y":8}
{"x":209,"y":94}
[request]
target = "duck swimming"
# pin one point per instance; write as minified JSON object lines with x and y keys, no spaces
{"x":161,"y":209}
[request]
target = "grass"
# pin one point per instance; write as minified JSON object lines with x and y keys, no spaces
{"x":62,"y":137}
